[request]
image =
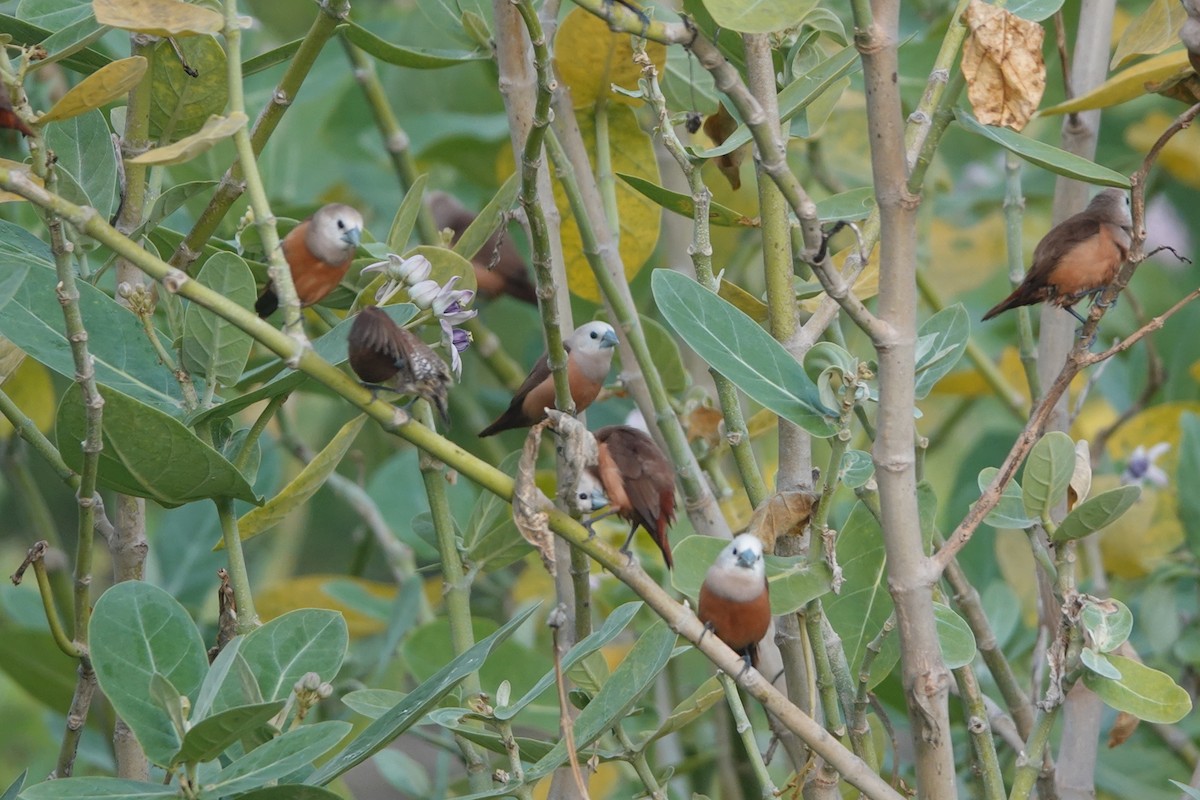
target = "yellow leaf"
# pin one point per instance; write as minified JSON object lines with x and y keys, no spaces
{"x":1194,"y":371}
{"x":1143,"y":536}
{"x":534,"y":582}
{"x":215,"y":130}
{"x":1095,"y":416}
{"x":1126,"y":85}
{"x":158,"y":17}
{"x":598,"y":58}
{"x":110,"y":82}
{"x":308,"y":591}
{"x":302,"y":487}
{"x":745,"y":302}
{"x":1002,"y":62}
{"x":11,"y":197}
{"x":1159,"y":423}
{"x":640,"y":217}
{"x":30,"y":388}
{"x":1180,"y":157}
{"x":1153,"y":31}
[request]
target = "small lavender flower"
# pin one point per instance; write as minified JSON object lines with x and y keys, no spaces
{"x":449,"y":302}
{"x":456,"y":340}
{"x":1141,"y":467}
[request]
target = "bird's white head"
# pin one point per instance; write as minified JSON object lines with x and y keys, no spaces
{"x":1115,"y":203}
{"x":591,"y":345}
{"x":744,"y":552}
{"x":589,"y":493}
{"x":334,"y":232}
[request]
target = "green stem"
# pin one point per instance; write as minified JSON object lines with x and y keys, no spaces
{"x":1029,"y":763}
{"x":457,"y":589}
{"x":980,"y":731}
{"x":395,"y":140}
{"x":1014,"y":204}
{"x":736,"y":432}
{"x":277,"y":266}
{"x":606,"y":181}
{"x":239,"y":577}
{"x":516,"y":770}
{"x":640,"y":764}
{"x":746,"y":731}
{"x":27,"y":429}
{"x":330,"y":14}
{"x":242,"y":457}
{"x":827,"y":683}
{"x":72,"y":649}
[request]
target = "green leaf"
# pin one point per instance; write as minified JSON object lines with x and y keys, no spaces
{"x":851,"y":205}
{"x":1188,"y":790}
{"x":303,"y":486}
{"x":1010,"y":511}
{"x":69,"y":44}
{"x":629,"y":680}
{"x":758,"y":16}
{"x":706,"y":695}
{"x":857,"y":467}
{"x":84,"y":148}
{"x":98,"y":789}
{"x":279,"y":757}
{"x":488,"y":220}
{"x":14,"y":788}
{"x":1108,"y":622}
{"x":1043,"y":155}
{"x":213,"y":346}
{"x":1034,"y":10}
{"x":1187,"y":473}
{"x":411,"y":57}
{"x":1048,"y":472}
{"x":683,"y":205}
{"x":32,"y":661}
{"x":1145,"y":693}
{"x":490,"y":537}
{"x":169,"y":701}
{"x":179,"y":103}
{"x":137,"y":631}
{"x":796,"y":96}
{"x":218,"y":671}
{"x":278,"y":55}
{"x":331,"y":347}
{"x":955,"y":637}
{"x":792,"y":581}
{"x":147,"y":453}
{"x":415,"y":705}
{"x":210,"y":737}
{"x":1097,"y":513}
{"x":403,"y":773}
{"x":33,"y":321}
{"x":735,"y":345}
{"x":618,"y":619}
{"x":406,"y":215}
{"x":286,"y":648}
{"x":373,"y":703}
{"x":941,"y":342}
{"x":858,"y":612}
{"x":1097,"y":663}
{"x":464,"y":723}
{"x":828,"y":364}
{"x":290,"y":791}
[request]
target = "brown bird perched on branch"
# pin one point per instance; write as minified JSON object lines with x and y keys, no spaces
{"x":735,"y":603}
{"x":385,"y":355}
{"x":589,"y":356}
{"x":638,"y":482}
{"x":1080,"y":256}
{"x":318,"y":252}
{"x":499,"y":268}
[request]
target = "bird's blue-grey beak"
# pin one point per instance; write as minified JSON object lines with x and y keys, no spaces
{"x":609,"y":339}
{"x":747,"y":558}
{"x":352,"y":237}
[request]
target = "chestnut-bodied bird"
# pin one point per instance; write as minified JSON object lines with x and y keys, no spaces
{"x":499,"y":268}
{"x":1080,"y":256}
{"x":589,"y":356}
{"x":639,"y":483}
{"x":385,"y":355}
{"x":735,"y":603}
{"x":318,"y":252}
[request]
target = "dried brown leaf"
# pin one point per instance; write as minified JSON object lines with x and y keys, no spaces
{"x":1081,"y":479}
{"x":704,"y":423}
{"x":528,"y":502}
{"x":1002,"y":62}
{"x":719,"y":127}
{"x":782,"y":514}
{"x":1123,"y":727}
{"x":158,"y":17}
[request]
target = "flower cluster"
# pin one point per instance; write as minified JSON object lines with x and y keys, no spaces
{"x":447,"y":303}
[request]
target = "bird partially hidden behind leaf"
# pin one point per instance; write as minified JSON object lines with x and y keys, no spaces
{"x":386,"y":356}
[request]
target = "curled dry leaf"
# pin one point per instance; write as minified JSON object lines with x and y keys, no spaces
{"x":782,"y":514}
{"x":528,"y":502}
{"x":576,"y":447}
{"x":1002,"y":62}
{"x":1081,"y":479}
{"x":158,"y":17}
{"x":704,"y":423}
{"x":719,"y":127}
{"x":1123,"y":727}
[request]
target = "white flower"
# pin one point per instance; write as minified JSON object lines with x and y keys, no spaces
{"x":1141,"y":467}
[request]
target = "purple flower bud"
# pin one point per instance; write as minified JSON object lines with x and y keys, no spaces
{"x":460,"y":339}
